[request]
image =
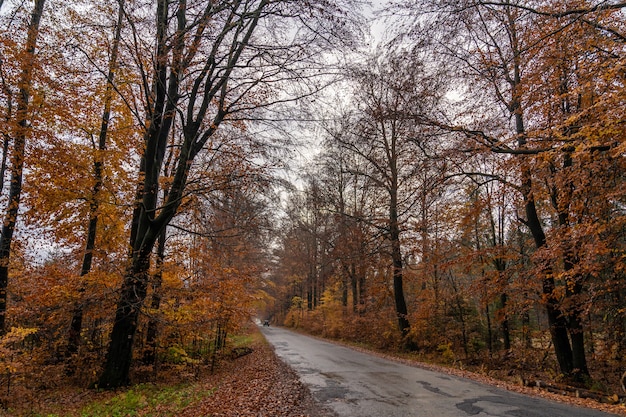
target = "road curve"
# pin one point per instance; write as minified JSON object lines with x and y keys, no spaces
{"x":355,"y":384}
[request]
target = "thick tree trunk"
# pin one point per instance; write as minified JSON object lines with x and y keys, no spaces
{"x":120,"y":351}
{"x":580,"y":371}
{"x":362,"y":290}
{"x":309,"y":297}
{"x":398,"y":290}
{"x":558,"y":326}
{"x":489,"y":330}
{"x":556,"y":320}
{"x":354,"y":286}
{"x":579,"y":361}
{"x":17,"y":159}
{"x":344,"y":287}
{"x":144,"y":235}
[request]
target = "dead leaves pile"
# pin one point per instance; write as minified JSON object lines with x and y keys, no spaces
{"x":258,"y":385}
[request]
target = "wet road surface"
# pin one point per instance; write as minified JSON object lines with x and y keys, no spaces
{"x":355,"y":384}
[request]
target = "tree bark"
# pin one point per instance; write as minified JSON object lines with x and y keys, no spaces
{"x":17,"y":160}
{"x":573,"y":284}
{"x":397,"y":265}
{"x":119,"y":354}
{"x":556,"y":320}
{"x":398,"y":290}
{"x":354,"y":287}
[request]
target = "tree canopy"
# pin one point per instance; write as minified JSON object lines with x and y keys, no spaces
{"x":172,"y":169}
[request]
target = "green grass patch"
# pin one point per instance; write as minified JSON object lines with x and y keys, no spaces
{"x":147,"y":400}
{"x":243,"y":340}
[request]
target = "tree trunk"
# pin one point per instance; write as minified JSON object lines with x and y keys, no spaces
{"x":460,"y":309}
{"x":17,"y":160}
{"x":362,"y":291}
{"x":489,"y":331}
{"x":556,"y":320}
{"x":155,"y":304}
{"x":345,"y":280}
{"x":144,"y":235}
{"x":573,"y":289}
{"x":120,"y":351}
{"x":506,"y":335}
{"x":354,"y":287}
{"x":396,"y":256}
{"x":398,"y":291}
{"x":580,"y":372}
{"x":309,"y":297}
{"x":6,"y":139}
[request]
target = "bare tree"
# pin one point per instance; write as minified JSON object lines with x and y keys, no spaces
{"x":387,"y":136}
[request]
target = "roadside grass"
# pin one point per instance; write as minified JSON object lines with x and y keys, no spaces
{"x":179,"y":388}
{"x":141,"y":400}
{"x":244,"y":340}
{"x":148,"y":400}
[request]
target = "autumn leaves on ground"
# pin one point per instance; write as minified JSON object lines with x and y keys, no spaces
{"x":171,"y":169}
{"x":253,"y":384}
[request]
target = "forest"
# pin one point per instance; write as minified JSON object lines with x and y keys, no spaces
{"x":444,"y":178}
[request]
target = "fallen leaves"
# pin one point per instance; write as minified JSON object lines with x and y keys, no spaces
{"x":258,"y":385}
{"x":250,"y":382}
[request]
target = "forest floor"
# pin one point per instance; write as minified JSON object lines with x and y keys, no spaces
{"x":257,"y":384}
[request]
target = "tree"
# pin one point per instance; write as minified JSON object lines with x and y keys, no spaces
{"x":347,"y":194}
{"x":511,"y":48}
{"x":210,"y":65}
{"x":572,"y":108}
{"x":386,"y":136}
{"x":20,"y":130}
{"x":94,"y":203}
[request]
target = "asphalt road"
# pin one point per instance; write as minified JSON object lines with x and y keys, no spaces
{"x":355,"y":384}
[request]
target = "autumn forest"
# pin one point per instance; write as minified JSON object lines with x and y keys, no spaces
{"x":444,"y":178}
